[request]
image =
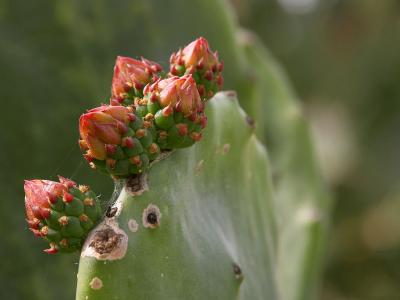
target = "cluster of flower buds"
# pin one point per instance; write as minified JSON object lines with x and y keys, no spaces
{"x":117,"y":141}
{"x":130,"y":77}
{"x":198,"y":59}
{"x":148,"y":113}
{"x":61,"y":212}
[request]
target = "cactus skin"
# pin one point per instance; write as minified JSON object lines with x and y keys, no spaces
{"x":61,"y":212}
{"x":117,"y":141}
{"x":198,"y":59}
{"x":198,"y":251}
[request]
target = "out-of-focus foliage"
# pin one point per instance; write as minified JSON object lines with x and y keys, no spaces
{"x":344,"y":60}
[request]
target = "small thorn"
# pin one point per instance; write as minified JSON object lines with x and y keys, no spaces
{"x":163,"y":134}
{"x":64,"y":243}
{"x":140,"y":133}
{"x":136,"y":160}
{"x":149,"y":117}
{"x":63,"y":221}
{"x":83,"y":188}
{"x":153,"y":148}
{"x":88,"y":202}
{"x":83,"y":218}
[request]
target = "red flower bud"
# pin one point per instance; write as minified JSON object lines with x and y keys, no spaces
{"x":129,"y":73}
{"x":101,"y":126}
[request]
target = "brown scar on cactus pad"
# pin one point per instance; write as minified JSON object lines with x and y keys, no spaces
{"x":237,"y":271}
{"x":106,"y":242}
{"x":136,"y":184}
{"x":151,"y":216}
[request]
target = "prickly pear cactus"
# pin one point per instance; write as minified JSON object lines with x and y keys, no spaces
{"x":199,"y":225}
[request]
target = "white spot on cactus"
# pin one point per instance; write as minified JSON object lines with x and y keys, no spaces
{"x":307,"y":215}
{"x":199,"y":166}
{"x":224,"y":149}
{"x":151,"y":216}
{"x":133,"y":225}
{"x":96,"y":284}
{"x":106,"y":242}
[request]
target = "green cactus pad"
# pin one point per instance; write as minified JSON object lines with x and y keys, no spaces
{"x":204,"y":229}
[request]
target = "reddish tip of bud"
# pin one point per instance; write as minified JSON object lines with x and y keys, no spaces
{"x":36,"y":232}
{"x":203,"y":122}
{"x":140,"y":133}
{"x":138,"y":86}
{"x":110,"y":149}
{"x":83,"y":145}
{"x":201,"y":90}
{"x":128,"y":142}
{"x":136,"y":160}
{"x":131,"y":117}
{"x":34,"y":223}
{"x":214,"y":68}
{"x":221,"y":66}
{"x":167,"y":111}
{"x":208,"y":75}
{"x":182,"y":129}
{"x":67,"y":197}
{"x":44,"y":212}
{"x":88,"y":157}
{"x":127,"y":86}
{"x":163,"y":134}
{"x":220,"y":80}
{"x":111,"y":163}
{"x":153,"y":148}
{"x":153,"y":98}
{"x":173,"y":70}
{"x":196,"y":136}
{"x":122,"y":128}
{"x":52,"y":250}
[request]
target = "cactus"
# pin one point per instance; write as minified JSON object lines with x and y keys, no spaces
{"x":201,"y":226}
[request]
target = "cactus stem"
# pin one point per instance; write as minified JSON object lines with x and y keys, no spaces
{"x":151,"y":216}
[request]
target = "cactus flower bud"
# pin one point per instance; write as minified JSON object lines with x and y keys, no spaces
{"x":114,"y":134}
{"x":198,"y":59}
{"x":54,"y":211}
{"x":130,"y":77}
{"x":177,"y":109}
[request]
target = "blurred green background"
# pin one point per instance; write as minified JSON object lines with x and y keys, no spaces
{"x":342,"y":56}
